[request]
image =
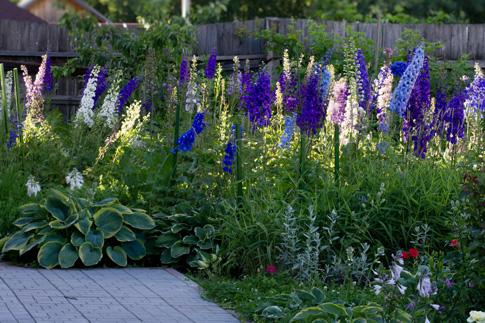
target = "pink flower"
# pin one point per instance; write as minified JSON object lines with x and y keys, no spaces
{"x":455,"y":243}
{"x":414,"y":253}
{"x":271,"y":269}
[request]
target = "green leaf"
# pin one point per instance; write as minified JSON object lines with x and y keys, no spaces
{"x":84,"y":223}
{"x":179,"y":249}
{"x":96,"y":237}
{"x":61,"y":225}
{"x":125,"y":235}
{"x":335,"y":309}
{"x":318,"y":294}
{"x":106,"y":202}
{"x":166,"y":258}
{"x":117,"y":255}
{"x":109,"y":221}
{"x":166,"y":240}
{"x":134,"y":249}
{"x":191,"y":240}
{"x":30,"y":209}
{"x":34,"y":242}
{"x":308,"y":312}
{"x":90,"y":254}
{"x":57,"y":205}
{"x":16,"y":242}
{"x":273,"y":312}
{"x":23,"y":221}
{"x":35,"y":225}
{"x":77,"y":239}
{"x":68,"y":256}
{"x":122,"y":209}
{"x":139,"y":220}
{"x":54,"y":236}
{"x":205,"y":245}
{"x":402,"y":316}
{"x":48,"y":256}
{"x":200,"y":233}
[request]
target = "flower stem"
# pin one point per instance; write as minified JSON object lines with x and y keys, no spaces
{"x":239,"y":173}
{"x":4,"y":101}
{"x":337,"y":154}
{"x":18,"y":106}
{"x":176,"y":134}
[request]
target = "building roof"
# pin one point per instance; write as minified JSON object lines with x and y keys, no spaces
{"x":83,"y":4}
{"x":9,"y":10}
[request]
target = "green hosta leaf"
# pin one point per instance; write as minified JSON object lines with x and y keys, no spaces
{"x":306,"y":297}
{"x":68,"y":256}
{"x":177,"y":227}
{"x":84,"y":223}
{"x":16,"y":241}
{"x":134,"y":249}
{"x":166,"y":240}
{"x":273,"y":312}
{"x":34,"y":242}
{"x":35,"y":225}
{"x":61,"y":225}
{"x":200,"y":233}
{"x":106,"y":202}
{"x":190,"y":240}
{"x":83,"y":203}
{"x":125,"y":235}
{"x":166,"y":258}
{"x":96,"y":237}
{"x":30,"y":209}
{"x":139,"y":220}
{"x":77,"y":239}
{"x":109,"y":221}
{"x":57,"y":205}
{"x":314,"y":311}
{"x":205,"y":245}
{"x":179,"y":249}
{"x":318,"y":294}
{"x":117,"y":255}
{"x":48,"y":256}
{"x":335,"y":309}
{"x":23,"y":221}
{"x":121,"y":208}
{"x":54,"y":237}
{"x":90,"y":254}
{"x":402,"y":316}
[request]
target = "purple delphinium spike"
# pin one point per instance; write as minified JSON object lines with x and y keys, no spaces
{"x":454,"y":118}
{"x":439,"y":112}
{"x":363,"y":84}
{"x":101,"y":84}
{"x":147,"y":105}
{"x":338,"y":101}
{"x":258,"y":99}
{"x":401,"y":94}
{"x":48,"y":77}
{"x":125,"y":93}
{"x":12,"y":139}
{"x":184,"y":76}
{"x":229,"y":154}
{"x":312,"y":113}
{"x":290,"y":92}
{"x":210,"y":69}
{"x":475,"y":94}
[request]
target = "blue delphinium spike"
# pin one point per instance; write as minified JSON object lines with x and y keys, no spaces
{"x":187,"y":139}
{"x":290,"y":121}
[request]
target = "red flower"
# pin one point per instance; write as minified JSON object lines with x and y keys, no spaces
{"x":414,"y":253}
{"x":405,"y":255}
{"x":455,"y":243}
{"x":271,"y":269}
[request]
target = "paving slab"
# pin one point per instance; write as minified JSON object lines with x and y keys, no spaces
{"x":112,"y":295}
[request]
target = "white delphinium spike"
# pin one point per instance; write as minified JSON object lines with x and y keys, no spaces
{"x":107,"y":113}
{"x":74,"y":179}
{"x":8,"y":91}
{"x":33,"y":187}
{"x":85,"y":112}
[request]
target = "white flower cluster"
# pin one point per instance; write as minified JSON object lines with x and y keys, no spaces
{"x":108,"y":109}
{"x":396,"y":270}
{"x":191,"y":97}
{"x":85,"y":113}
{"x":8,"y":91}
{"x":75,"y":179}
{"x":33,"y":187}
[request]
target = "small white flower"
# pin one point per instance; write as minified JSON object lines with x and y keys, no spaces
{"x":85,"y":112}
{"x":476,"y":316}
{"x":33,"y":187}
{"x":401,"y":288}
{"x":108,"y":109}
{"x":427,"y":321}
{"x":377,"y":289}
{"x":424,"y":287}
{"x":436,"y":307}
{"x":75,"y":179}
{"x":396,"y":271}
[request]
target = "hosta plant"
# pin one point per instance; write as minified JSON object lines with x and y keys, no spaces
{"x":187,"y":239}
{"x":67,"y":230}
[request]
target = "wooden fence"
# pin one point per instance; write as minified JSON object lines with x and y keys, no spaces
{"x":24,"y":42}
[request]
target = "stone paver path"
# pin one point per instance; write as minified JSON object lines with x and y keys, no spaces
{"x":103,"y":295}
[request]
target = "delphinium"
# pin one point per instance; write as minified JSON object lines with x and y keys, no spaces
{"x":234,"y":86}
{"x":401,"y":94}
{"x":475,"y":93}
{"x":33,"y":91}
{"x":288,"y":86}
{"x":184,"y":75}
{"x":8,"y":95}
{"x":383,"y":92}
{"x":312,"y":112}
{"x":107,"y":112}
{"x":229,"y":153}
{"x":125,"y":93}
{"x":398,"y":68}
{"x":186,"y":141}
{"x":85,"y":114}
{"x":101,"y":84}
{"x":415,"y":126}
{"x":48,"y":77}
{"x":362,"y":78}
{"x":258,"y":99}
{"x":454,"y":118}
{"x":210,"y":69}
{"x":289,"y":123}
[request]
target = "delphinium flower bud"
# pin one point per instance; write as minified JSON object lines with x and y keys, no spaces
{"x":210,"y":69}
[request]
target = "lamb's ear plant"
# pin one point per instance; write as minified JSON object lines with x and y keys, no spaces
{"x":63,"y":229}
